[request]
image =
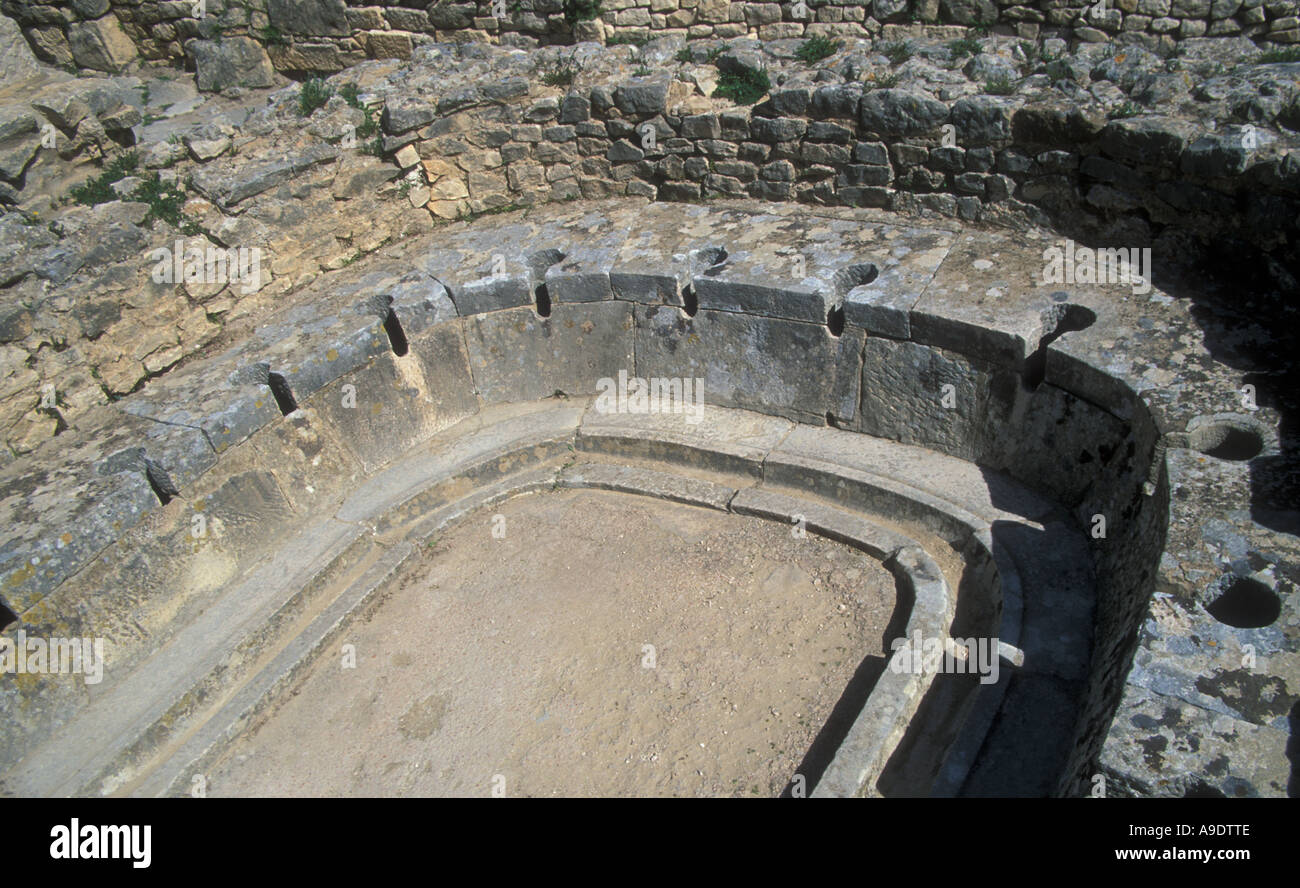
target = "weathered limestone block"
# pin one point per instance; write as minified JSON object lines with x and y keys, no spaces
{"x":309,"y":18}
{"x":517,"y":355}
{"x":920,"y":395}
{"x":212,"y":397}
{"x":311,"y":345}
{"x":578,"y":251}
{"x":115,"y":470}
{"x":50,"y":44}
{"x":17,"y":63}
{"x":784,"y":368}
{"x":322,"y":58}
{"x":983,"y":120}
{"x":479,"y":272}
{"x":1154,"y":141}
{"x":900,"y":112}
{"x":1056,"y":124}
{"x":232,"y":61}
{"x":227,"y":187}
{"x":101,"y":44}
{"x":714,"y":12}
{"x":905,"y":261}
{"x":398,"y":401}
{"x":386,"y":44}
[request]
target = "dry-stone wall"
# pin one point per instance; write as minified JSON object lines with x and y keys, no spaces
{"x":1187,"y":156}
{"x":324,"y":36}
{"x":1149,"y":178}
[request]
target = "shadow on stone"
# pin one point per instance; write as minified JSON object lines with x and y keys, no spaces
{"x":832,"y":734}
{"x":1293,"y":752}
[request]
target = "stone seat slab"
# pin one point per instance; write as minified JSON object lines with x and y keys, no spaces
{"x":906,"y":260}
{"x":986,"y":494}
{"x":988,"y":300}
{"x":80,"y":491}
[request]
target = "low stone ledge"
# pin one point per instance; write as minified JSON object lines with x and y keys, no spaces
{"x":722,"y":440}
{"x":647,"y":482}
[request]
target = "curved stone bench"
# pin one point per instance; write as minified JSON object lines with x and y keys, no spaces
{"x":277,"y":483}
{"x":501,"y":453}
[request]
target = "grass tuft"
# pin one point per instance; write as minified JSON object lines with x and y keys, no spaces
{"x":966,"y":46}
{"x":814,"y":49}
{"x":100,"y":189}
{"x":561,"y":73}
{"x":165,"y":200}
{"x":314,"y":95}
{"x":1270,"y":56}
{"x":999,"y":86}
{"x":743,"y":87}
{"x":897,"y":52}
{"x":884,"y":81}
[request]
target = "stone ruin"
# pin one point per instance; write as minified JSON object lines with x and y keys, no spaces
{"x":999,"y":296}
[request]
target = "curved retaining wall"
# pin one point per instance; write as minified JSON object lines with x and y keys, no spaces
{"x":254,"y":442}
{"x":462,"y":147}
{"x":324,"y":36}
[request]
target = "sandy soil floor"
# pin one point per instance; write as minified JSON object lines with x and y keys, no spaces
{"x":522,"y":665}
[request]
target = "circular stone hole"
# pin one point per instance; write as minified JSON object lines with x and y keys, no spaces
{"x":1246,"y":604}
{"x":1226,"y":440}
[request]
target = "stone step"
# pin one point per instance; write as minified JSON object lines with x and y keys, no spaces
{"x":718,"y":439}
{"x":489,"y":444}
{"x":72,"y":761}
{"x":175,"y":775}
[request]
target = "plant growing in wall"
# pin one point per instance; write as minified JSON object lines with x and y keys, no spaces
{"x":99,"y":189}
{"x":580,"y":10}
{"x":814,"y":49}
{"x":999,"y":86}
{"x":314,"y":95}
{"x":272,"y":36}
{"x":351,"y":94}
{"x":1271,"y":56}
{"x":964,"y":47}
{"x":744,"y":87}
{"x":561,"y":73}
{"x":882,"y":81}
{"x":1058,"y":69}
{"x":896,"y":52}
{"x":164,"y":199}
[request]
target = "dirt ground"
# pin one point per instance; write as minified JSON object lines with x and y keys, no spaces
{"x":521,"y":665}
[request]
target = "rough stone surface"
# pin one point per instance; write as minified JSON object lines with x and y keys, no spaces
{"x":231,"y":62}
